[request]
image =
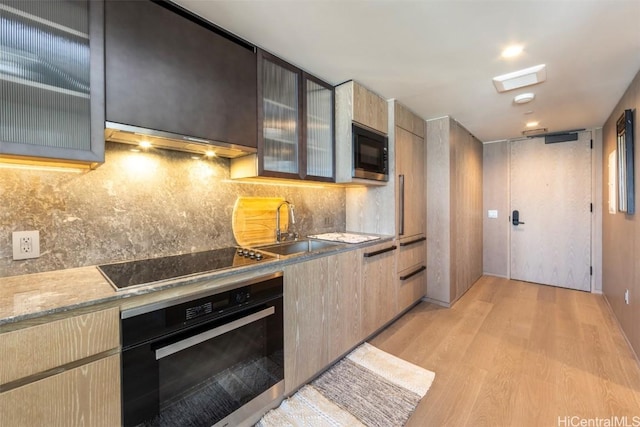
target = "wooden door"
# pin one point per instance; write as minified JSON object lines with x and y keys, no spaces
{"x":379,"y":300}
{"x":551,"y":189}
{"x":411,"y":183}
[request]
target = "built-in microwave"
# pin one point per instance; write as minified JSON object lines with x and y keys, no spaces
{"x":370,"y":154}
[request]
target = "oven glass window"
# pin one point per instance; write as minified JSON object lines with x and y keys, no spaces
{"x":202,"y":384}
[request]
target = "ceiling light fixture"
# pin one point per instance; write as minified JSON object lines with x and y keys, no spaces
{"x":517,"y":79}
{"x":512,"y":51}
{"x":523,"y":98}
{"x":532,"y":124}
{"x":210,"y":153}
{"x":145,"y":144}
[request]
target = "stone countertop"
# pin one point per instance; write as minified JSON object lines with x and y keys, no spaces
{"x":40,"y":294}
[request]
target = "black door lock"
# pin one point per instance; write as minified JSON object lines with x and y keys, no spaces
{"x":515,"y":218}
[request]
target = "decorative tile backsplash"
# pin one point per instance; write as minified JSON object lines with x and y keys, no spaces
{"x":139,"y":205}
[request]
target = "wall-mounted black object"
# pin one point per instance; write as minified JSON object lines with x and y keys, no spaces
{"x":626,"y":190}
{"x":553,"y":138}
{"x":515,"y":218}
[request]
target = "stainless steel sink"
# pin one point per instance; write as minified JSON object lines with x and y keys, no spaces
{"x":297,"y":247}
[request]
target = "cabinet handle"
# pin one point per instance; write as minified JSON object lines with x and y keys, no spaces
{"x":381,"y":251}
{"x":401,"y":183}
{"x":413,"y":273}
{"x":418,"y":240}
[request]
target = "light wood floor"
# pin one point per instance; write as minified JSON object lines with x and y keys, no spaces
{"x":518,"y":354}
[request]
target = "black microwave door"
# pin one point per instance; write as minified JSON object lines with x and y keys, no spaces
{"x":370,"y":154}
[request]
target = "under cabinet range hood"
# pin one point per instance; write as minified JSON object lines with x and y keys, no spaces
{"x":117,"y":132}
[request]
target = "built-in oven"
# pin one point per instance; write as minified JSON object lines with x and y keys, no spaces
{"x":370,"y":154}
{"x":210,"y":359}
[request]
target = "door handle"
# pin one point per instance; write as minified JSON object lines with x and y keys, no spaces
{"x":401,"y":184}
{"x":515,"y":218}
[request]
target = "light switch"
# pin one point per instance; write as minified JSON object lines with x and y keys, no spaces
{"x":492,"y":213}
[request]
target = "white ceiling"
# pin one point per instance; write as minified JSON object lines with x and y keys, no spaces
{"x":439,"y":57}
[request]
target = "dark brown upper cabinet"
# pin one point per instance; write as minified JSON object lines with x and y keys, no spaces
{"x":295,"y":124}
{"x":169,"y":71}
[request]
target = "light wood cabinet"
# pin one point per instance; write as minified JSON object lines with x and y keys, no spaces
{"x":39,"y":348}
{"x":379,"y":303}
{"x":411,"y":195}
{"x":356,"y":104}
{"x":62,"y":373}
{"x":369,"y":108}
{"x":305,"y":323}
{"x":344,"y":301}
{"x":406,"y":119}
{"x":411,"y":202}
{"x":88,"y":395}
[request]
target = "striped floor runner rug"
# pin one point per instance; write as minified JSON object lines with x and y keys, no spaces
{"x":366,"y":388}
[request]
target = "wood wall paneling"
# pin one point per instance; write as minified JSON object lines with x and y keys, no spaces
{"x":495,"y":236}
{"x":63,"y":341}
{"x":621,"y":232}
{"x":454,"y":210}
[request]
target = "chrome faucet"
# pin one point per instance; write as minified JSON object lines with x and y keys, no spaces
{"x":281,"y":236}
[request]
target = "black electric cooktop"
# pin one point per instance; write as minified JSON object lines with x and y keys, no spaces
{"x":147,"y":271}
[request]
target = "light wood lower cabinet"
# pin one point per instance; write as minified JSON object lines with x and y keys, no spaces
{"x":378,"y":287}
{"x":305,"y":328}
{"x":344,"y":301}
{"x":333,"y":303}
{"x":62,"y":373}
{"x":88,"y":395}
{"x":411,"y":286}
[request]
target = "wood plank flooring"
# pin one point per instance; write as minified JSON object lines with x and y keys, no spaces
{"x":518,"y":354}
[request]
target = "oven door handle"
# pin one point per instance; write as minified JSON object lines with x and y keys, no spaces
{"x":212,"y":333}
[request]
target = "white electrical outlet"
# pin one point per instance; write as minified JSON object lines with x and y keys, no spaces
{"x":626,"y":296}
{"x":26,"y":244}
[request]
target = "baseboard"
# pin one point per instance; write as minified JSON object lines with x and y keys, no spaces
{"x":615,"y":318}
{"x":436,"y":302}
{"x":495,"y":275}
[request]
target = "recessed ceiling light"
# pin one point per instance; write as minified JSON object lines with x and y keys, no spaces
{"x":521,"y":78}
{"x":528,"y":112}
{"x":145,"y":144}
{"x":523,"y":98}
{"x":512,"y":51}
{"x":210,"y":153}
{"x":532,"y":124}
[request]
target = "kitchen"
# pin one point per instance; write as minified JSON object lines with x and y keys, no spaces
{"x":142,"y":205}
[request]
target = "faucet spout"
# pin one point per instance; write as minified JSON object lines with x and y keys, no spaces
{"x":280,"y":236}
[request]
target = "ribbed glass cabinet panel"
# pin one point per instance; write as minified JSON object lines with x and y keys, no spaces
{"x":280,"y":121}
{"x":44,"y":73}
{"x":319,"y":130}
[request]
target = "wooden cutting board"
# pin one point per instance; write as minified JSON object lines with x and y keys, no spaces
{"x":254,"y":220}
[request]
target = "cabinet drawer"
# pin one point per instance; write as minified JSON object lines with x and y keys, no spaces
{"x":88,"y":395}
{"x":39,"y":348}
{"x":412,"y":253}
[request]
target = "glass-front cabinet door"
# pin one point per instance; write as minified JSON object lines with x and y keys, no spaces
{"x":296,"y":131}
{"x":48,"y":87}
{"x":319,"y":128}
{"x":280,"y":151}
